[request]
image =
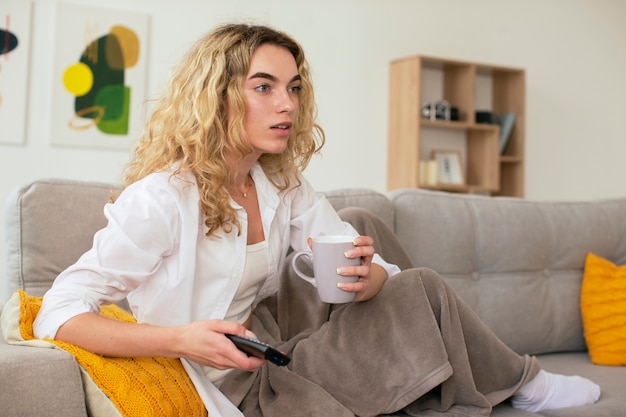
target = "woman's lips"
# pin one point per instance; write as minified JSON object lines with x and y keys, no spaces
{"x":282,"y":129}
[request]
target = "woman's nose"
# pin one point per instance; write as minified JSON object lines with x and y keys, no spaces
{"x":285,"y":102}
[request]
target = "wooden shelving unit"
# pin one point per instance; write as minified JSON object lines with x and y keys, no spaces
{"x":486,"y":170}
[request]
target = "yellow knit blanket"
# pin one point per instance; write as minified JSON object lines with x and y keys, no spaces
{"x":137,"y":386}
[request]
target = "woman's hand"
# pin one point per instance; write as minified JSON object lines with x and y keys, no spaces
{"x":371,"y":276}
{"x":204,"y":342}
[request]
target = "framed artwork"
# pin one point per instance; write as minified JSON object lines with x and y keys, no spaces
{"x":14,"y":56}
{"x":449,"y":167}
{"x":100,"y":73}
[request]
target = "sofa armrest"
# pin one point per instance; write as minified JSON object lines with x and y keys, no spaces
{"x":39,"y":382}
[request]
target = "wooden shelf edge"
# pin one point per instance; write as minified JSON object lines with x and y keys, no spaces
{"x":504,"y":159}
{"x":454,"y":124}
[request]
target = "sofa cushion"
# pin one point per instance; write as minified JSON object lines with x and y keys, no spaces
{"x":48,"y":224}
{"x":603,"y":307}
{"x":518,"y":263}
{"x":113,"y":386}
{"x":612,"y":380}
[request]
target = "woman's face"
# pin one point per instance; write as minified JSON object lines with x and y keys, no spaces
{"x":271,"y":90}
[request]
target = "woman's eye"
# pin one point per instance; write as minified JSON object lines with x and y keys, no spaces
{"x":263,"y":88}
{"x":295,"y":89}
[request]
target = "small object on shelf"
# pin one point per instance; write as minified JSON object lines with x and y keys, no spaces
{"x":449,"y":167}
{"x":506,"y":122}
{"x":454,"y":113}
{"x":439,"y":110}
{"x":428,"y":172}
{"x":428,"y":110}
{"x":483,"y":116}
{"x":442,"y":110}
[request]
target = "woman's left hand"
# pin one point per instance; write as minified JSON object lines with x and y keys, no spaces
{"x":371,"y":276}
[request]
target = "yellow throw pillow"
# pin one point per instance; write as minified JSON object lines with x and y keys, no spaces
{"x":603,"y":309}
{"x":135,"y":386}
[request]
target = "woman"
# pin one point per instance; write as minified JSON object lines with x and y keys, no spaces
{"x":213,"y":199}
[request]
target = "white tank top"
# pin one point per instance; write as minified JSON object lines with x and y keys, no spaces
{"x":254,"y":274}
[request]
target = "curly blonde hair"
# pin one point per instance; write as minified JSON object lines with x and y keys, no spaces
{"x":189,"y":127}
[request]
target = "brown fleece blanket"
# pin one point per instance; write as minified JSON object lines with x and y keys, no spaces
{"x":414,"y":347}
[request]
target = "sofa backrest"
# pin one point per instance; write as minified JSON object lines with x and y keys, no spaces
{"x":49,"y":224}
{"x":518,"y":263}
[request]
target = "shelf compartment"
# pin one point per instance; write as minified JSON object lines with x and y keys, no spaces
{"x":482,"y":158}
{"x":418,"y":79}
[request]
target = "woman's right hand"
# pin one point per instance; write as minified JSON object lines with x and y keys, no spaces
{"x":204,"y":342}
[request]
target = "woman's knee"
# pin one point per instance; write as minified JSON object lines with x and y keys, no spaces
{"x":357,"y":215}
{"x":427,"y":276}
{"x":428,"y":280}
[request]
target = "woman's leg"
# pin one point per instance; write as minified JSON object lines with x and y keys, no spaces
{"x":390,"y":352}
{"x":545,"y":391}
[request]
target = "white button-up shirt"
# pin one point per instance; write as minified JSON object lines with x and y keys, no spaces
{"x":154,"y":251}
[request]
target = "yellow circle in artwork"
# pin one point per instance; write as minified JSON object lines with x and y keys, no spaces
{"x":78,"y":79}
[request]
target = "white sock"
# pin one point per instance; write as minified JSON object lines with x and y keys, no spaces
{"x":549,"y":391}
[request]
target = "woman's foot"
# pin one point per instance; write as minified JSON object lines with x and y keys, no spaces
{"x":548,"y":391}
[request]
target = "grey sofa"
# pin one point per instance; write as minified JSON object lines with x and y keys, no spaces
{"x":518,"y":263}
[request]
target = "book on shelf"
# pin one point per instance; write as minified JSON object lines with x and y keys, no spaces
{"x":506,"y":122}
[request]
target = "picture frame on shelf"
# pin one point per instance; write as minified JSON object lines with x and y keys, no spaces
{"x":449,"y":166}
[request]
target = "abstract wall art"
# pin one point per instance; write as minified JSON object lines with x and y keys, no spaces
{"x":100,"y":75}
{"x":14,"y":56}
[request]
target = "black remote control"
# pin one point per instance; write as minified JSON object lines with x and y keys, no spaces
{"x":259,"y":349}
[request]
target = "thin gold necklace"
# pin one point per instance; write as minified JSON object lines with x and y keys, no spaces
{"x":250,"y":185}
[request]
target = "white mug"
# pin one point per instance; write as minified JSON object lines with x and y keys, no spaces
{"x":328,"y":255}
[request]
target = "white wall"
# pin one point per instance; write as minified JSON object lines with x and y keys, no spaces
{"x":574,"y":52}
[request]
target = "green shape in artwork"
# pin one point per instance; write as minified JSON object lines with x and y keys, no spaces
{"x":111,"y":99}
{"x":95,"y":57}
{"x":115,"y":99}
